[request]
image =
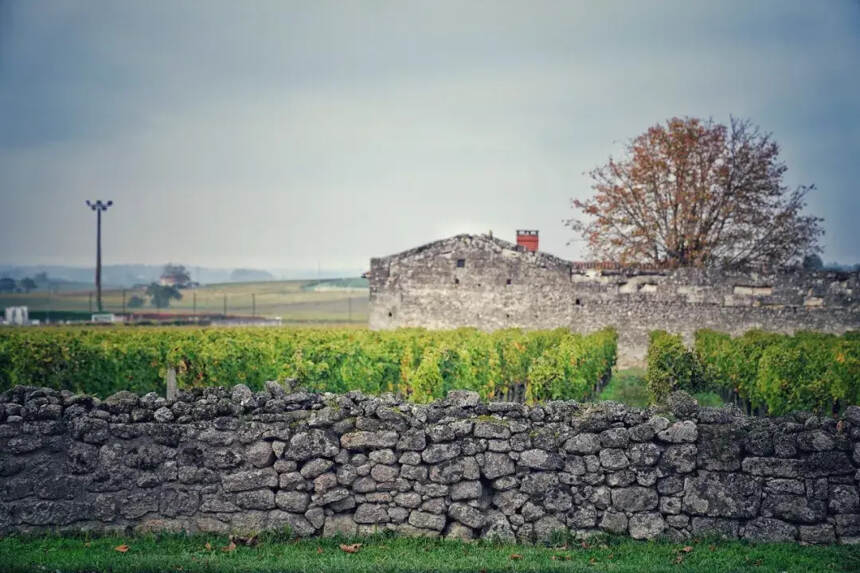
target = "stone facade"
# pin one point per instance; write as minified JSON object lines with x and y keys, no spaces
{"x":222,"y":460}
{"x":488,"y":283}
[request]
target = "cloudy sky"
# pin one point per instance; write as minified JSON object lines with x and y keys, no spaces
{"x":286,"y":135}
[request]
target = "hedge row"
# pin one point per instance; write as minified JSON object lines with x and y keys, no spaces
{"x":764,"y":372}
{"x":420,"y":364}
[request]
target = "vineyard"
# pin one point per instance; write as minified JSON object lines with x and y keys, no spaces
{"x":421,"y":365}
{"x":764,"y":373}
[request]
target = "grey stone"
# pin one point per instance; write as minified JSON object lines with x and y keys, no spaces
{"x":769,"y":530}
{"x":163,"y":415}
{"x":614,"y":521}
{"x":634,"y":498}
{"x":256,"y":499}
{"x":491,"y":429}
{"x":384,"y":456}
{"x":427,"y":520}
{"x":547,"y":526}
{"x":298,"y":525}
{"x":312,"y":444}
{"x":680,"y":458}
{"x":410,"y":500}
{"x":613,"y":459}
{"x":252,"y":479}
{"x":718,"y":527}
{"x":814,"y":441}
{"x":496,"y":465}
{"x":541,"y":460}
{"x":260,"y":454}
{"x":440,"y":452}
{"x":844,"y":499}
{"x":680,"y":432}
{"x":646,"y":525}
{"x":823,"y":533}
{"x":383,"y":473}
{"x":339,"y":525}
{"x":413,"y":440}
{"x":292,"y":501}
{"x":509,"y":501}
{"x":455,"y":470}
{"x":466,"y":490}
{"x":584,"y":443}
{"x":362,"y":439}
{"x":313,"y":468}
{"x":370,"y":513}
{"x":717,"y":494}
{"x":538,"y":483}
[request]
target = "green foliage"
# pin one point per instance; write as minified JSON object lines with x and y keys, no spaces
{"x":421,"y":365}
{"x":628,"y":387}
{"x":781,"y":373}
{"x":671,"y":366}
{"x":160,"y":295}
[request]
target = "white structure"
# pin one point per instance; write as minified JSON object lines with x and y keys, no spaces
{"x":105,"y":317}
{"x":17,"y":315}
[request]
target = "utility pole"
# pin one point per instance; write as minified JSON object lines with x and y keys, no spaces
{"x":225,"y":306}
{"x":253,"y":305}
{"x":98,"y":207}
{"x":123,"y":302}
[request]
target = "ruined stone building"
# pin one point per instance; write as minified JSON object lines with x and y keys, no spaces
{"x":489,"y":283}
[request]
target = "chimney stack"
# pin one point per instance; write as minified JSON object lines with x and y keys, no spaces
{"x":528,"y":238}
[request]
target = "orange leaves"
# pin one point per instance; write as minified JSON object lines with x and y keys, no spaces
{"x":228,"y":548}
{"x":515,"y":556}
{"x":121,"y":548}
{"x":354,"y":548}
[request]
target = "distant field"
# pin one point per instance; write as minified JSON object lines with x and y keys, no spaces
{"x":333,"y":300}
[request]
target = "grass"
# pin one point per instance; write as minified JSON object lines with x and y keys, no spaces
{"x":628,"y":387}
{"x":381,"y":554}
{"x":335,"y":300}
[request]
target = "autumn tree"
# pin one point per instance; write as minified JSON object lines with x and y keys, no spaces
{"x":697,"y":193}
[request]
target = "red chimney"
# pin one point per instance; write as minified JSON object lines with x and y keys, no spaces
{"x":528,"y":239}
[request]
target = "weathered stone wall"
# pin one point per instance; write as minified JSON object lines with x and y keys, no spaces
{"x":221,"y":460}
{"x":500,"y":285}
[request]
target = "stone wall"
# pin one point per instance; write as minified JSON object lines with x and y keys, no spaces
{"x":222,"y":460}
{"x":488,"y":283}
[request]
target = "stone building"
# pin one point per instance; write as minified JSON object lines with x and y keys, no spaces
{"x":488,"y":283}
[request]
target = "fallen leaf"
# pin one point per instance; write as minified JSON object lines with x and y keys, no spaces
{"x":712,"y":547}
{"x":584,"y":545}
{"x":121,"y":548}
{"x":593,"y":560}
{"x":687,"y":548}
{"x":350,"y":548}
{"x":87,"y":544}
{"x":319,"y":550}
{"x":208,"y":546}
{"x":516,"y":556}
{"x":679,"y":559}
{"x":231,"y":547}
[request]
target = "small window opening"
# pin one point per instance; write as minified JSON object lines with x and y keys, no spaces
{"x":461,"y":263}
{"x":389,"y":314}
{"x":456,"y":281}
{"x":507,"y":315}
{"x":479,"y":284}
{"x":507,"y":282}
{"x":577,"y":302}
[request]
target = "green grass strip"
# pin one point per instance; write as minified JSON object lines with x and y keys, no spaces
{"x":381,"y":554}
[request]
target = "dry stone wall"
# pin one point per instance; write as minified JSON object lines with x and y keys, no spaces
{"x":222,"y":460}
{"x":484,"y":282}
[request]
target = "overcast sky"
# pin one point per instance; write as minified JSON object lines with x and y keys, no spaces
{"x":283,"y":135}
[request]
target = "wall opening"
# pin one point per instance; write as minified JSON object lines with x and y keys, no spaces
{"x":577,"y":303}
{"x":461,"y":263}
{"x":456,"y":281}
{"x":507,"y":282}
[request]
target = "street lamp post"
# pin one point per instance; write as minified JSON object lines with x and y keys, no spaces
{"x":98,"y":207}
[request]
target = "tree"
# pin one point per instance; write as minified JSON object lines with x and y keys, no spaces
{"x":135,"y":301}
{"x":696,"y":193}
{"x":812,"y":263}
{"x":160,"y":295}
{"x":175,"y":275}
{"x":27,"y":284}
{"x":7,"y":284}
